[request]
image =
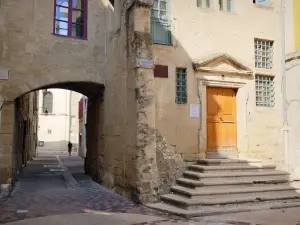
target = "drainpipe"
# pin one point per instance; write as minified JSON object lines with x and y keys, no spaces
{"x":200,"y":118}
{"x":283,"y":90}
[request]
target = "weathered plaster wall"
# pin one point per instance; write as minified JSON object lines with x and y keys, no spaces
{"x":129,"y":156}
{"x":199,"y":34}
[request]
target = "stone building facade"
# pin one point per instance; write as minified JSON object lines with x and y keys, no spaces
{"x":58,"y":120}
{"x":158,"y":82}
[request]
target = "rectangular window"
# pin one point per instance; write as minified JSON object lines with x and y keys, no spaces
{"x":161,"y":71}
{"x":225,"y":5}
{"x":263,"y":53}
{"x":160,"y":23}
{"x":203,"y":3}
{"x":261,"y":2}
{"x":70,"y":18}
{"x":181,"y":88}
{"x":265,"y":93}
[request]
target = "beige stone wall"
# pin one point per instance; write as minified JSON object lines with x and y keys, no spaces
{"x":36,"y":57}
{"x":201,"y":33}
{"x":18,"y":138}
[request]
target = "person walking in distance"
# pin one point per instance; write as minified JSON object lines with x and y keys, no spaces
{"x":70,"y":145}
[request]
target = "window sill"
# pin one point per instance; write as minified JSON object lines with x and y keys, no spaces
{"x":227,"y":13}
{"x":261,"y":109}
{"x":49,"y":114}
{"x":76,"y":38}
{"x":162,"y":44}
{"x":265,"y":72}
{"x":208,"y":10}
{"x":268,"y":6}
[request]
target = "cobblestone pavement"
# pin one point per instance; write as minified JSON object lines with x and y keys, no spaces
{"x":42,"y":190}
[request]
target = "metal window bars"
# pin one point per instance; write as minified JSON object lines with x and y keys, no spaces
{"x":263,"y":53}
{"x":265,"y":92}
{"x":181,"y":87}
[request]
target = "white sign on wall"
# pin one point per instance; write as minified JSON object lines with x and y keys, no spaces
{"x":194,"y":110}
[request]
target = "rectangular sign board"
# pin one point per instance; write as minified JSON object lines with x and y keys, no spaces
{"x":194,"y":110}
{"x":3,"y":74}
{"x":144,"y":63}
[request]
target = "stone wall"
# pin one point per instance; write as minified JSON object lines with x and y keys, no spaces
{"x":169,"y":164}
{"x":19,"y":127}
{"x":6,"y":130}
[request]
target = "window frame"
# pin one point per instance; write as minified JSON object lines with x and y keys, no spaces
{"x":164,"y":22}
{"x":208,"y":4}
{"x":268,"y":55}
{"x":179,"y":99}
{"x":70,"y":19}
{"x":44,"y":108}
{"x":265,"y":92}
{"x":229,"y":7}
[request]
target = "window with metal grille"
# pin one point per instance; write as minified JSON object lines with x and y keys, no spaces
{"x":160,"y":23}
{"x":181,"y":88}
{"x":203,"y":3}
{"x":48,"y":102}
{"x":70,"y":18}
{"x":263,"y":53}
{"x":265,"y":93}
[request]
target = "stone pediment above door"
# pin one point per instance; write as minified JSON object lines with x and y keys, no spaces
{"x":222,"y":63}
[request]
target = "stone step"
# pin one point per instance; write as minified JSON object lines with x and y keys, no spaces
{"x":206,"y":176}
{"x":198,"y":203}
{"x":226,"y":169}
{"x":218,"y":210}
{"x":228,"y":162}
{"x":229,"y":182}
{"x":203,"y":191}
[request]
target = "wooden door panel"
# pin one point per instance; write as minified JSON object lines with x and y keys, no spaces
{"x":221,"y":119}
{"x":214,"y":136}
{"x":229,"y":134}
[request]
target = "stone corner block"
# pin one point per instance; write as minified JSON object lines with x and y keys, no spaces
{"x":148,"y":3}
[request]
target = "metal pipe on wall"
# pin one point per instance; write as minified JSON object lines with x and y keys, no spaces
{"x":283,"y":89}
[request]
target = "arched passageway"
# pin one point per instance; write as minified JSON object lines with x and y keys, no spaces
{"x":21,"y":123}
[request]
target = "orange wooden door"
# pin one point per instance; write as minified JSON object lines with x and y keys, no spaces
{"x":221,"y":119}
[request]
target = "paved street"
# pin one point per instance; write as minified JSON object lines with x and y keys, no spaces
{"x":54,"y":190}
{"x":53,"y":185}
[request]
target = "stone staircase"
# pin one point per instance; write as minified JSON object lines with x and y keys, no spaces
{"x":220,"y":186}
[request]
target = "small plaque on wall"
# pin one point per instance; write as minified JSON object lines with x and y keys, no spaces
{"x":194,"y":110}
{"x":144,"y":63}
{"x":161,"y":71}
{"x":4,"y":74}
